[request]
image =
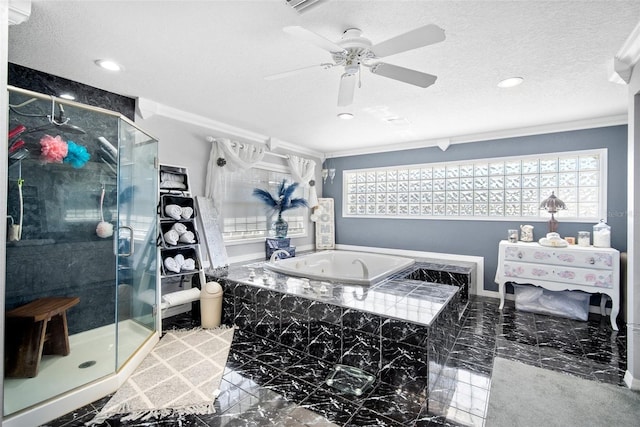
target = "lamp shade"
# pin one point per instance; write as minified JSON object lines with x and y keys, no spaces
{"x":552,"y":204}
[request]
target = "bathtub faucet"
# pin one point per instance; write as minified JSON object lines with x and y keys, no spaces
{"x":276,"y":255}
{"x":365,"y":269}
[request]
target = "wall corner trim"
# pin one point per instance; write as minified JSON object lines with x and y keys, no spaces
{"x":628,"y":56}
{"x":19,"y":11}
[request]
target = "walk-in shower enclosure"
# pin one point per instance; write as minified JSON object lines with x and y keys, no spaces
{"x":81,"y":223}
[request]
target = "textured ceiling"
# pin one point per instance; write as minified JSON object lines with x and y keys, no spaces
{"x":209,"y":58}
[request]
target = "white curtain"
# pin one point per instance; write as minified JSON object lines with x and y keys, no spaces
{"x":303,"y":172}
{"x":231,"y":156}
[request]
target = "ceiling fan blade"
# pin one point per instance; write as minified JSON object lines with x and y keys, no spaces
{"x":402,"y":74}
{"x":423,"y":36}
{"x":314,"y":38}
{"x":347,"y":89}
{"x":296,"y":71}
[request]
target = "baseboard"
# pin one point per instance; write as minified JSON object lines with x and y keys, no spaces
{"x":632,"y":383}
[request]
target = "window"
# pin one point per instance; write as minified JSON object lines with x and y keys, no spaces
{"x":506,"y":188}
{"x":244,"y":217}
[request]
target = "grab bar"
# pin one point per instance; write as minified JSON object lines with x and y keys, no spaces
{"x":365,"y":269}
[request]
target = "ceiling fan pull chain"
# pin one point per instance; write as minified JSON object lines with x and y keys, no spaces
{"x":359,"y":78}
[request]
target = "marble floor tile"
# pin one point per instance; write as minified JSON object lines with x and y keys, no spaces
{"x":269,"y":383}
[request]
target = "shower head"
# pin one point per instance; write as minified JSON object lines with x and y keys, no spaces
{"x":63,"y":123}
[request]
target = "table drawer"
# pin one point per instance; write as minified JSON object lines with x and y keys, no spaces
{"x":560,"y":256}
{"x":516,"y":271}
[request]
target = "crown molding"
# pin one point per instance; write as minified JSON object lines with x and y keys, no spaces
{"x":19,"y":11}
{"x":628,"y":55}
{"x":147,"y":108}
{"x":621,"y":119}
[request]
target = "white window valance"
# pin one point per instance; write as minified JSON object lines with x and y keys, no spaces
{"x":232,"y":156}
{"x":304,"y":172}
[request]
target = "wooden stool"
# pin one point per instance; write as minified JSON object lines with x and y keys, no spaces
{"x":34,"y":329}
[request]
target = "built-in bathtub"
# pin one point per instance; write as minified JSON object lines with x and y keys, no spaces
{"x":401,"y":328}
{"x":349,"y":267}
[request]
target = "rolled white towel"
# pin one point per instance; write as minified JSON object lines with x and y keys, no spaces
{"x":189,"y":264}
{"x":171,"y":265}
{"x":166,"y":176}
{"x":172,"y":237}
{"x":187,"y":237}
{"x":173,"y":211}
{"x":179,"y":260}
{"x":180,"y":228}
{"x":182,"y":297}
{"x":186,"y":212}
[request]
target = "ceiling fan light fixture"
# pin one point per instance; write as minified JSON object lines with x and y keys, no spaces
{"x":108,"y":64}
{"x":510,"y":82}
{"x":345,"y":116}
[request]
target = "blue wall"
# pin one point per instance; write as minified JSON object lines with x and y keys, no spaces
{"x":480,"y":238}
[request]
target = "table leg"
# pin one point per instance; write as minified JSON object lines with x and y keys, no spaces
{"x":501,"y":286}
{"x":603,"y":304}
{"x":615,"y":309}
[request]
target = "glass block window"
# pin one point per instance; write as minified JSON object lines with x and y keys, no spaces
{"x":244,"y":217}
{"x":506,"y":188}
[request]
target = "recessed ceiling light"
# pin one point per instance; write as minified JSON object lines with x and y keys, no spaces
{"x":108,"y":64}
{"x":67,"y":96}
{"x":345,"y":116}
{"x":510,"y":82}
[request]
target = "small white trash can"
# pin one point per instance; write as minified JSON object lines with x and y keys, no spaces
{"x":211,"y":305}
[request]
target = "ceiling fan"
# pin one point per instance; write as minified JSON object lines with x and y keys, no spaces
{"x":353,"y":51}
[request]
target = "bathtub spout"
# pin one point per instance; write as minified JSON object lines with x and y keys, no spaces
{"x":276,"y":255}
{"x":365,"y":269}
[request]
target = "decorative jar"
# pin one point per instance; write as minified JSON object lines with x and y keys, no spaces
{"x":281,"y":227}
{"x":584,"y":238}
{"x":602,"y":235}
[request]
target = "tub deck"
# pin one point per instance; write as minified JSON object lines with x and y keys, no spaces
{"x":396,"y":297}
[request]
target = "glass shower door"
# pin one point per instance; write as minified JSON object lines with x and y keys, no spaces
{"x":136,"y":243}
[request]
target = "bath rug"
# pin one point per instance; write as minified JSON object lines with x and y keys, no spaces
{"x":527,"y":396}
{"x":180,"y":376}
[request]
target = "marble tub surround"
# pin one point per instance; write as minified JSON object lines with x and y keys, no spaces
{"x":400,"y":330}
{"x":461,"y":275}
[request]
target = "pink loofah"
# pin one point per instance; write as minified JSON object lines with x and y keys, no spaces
{"x":54,"y":150}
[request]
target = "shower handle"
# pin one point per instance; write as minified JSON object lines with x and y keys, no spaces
{"x":130,"y":240}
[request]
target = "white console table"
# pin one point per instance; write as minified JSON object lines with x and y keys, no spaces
{"x":588,"y":269}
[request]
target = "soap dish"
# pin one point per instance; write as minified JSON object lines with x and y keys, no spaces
{"x":350,"y":380}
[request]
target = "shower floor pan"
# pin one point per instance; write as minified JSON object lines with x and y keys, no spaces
{"x":92,"y":356}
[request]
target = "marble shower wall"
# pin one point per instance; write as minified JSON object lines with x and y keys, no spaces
{"x":59,"y":253}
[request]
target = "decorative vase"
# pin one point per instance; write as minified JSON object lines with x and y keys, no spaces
{"x":281,"y":226}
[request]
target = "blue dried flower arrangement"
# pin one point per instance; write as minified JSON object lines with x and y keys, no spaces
{"x":280,"y":203}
